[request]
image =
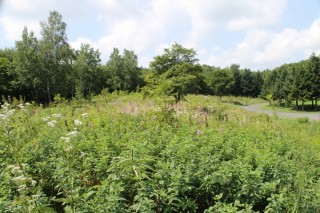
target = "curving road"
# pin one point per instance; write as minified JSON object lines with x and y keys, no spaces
{"x":258,"y":108}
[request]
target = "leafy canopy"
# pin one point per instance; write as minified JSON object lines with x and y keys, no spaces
{"x":174,"y":73}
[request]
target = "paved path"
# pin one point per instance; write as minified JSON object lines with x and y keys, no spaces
{"x":258,"y":108}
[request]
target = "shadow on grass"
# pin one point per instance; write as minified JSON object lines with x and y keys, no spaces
{"x":292,"y":107}
{"x":238,"y":103}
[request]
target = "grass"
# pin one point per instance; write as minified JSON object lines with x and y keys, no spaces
{"x":292,"y":108}
{"x":242,"y":101}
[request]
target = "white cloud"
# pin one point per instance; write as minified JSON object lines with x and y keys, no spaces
{"x":14,"y":27}
{"x":265,"y":49}
{"x":81,"y":40}
{"x":209,"y":16}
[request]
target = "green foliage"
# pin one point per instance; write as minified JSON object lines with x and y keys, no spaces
{"x":55,"y":54}
{"x":303,"y":120}
{"x":6,"y":71}
{"x":247,"y":83}
{"x":178,"y":81}
{"x":174,"y":73}
{"x":177,"y":54}
{"x":85,"y":71}
{"x":128,"y":154}
{"x":122,"y":72}
{"x":221,"y":82}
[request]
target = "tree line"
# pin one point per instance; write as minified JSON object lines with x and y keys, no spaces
{"x":39,"y":69}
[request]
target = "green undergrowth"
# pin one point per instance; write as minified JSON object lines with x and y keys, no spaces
{"x":123,"y":153}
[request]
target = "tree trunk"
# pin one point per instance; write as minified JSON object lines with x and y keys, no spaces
{"x":297,"y":104}
{"x":316,"y":103}
{"x":302,"y":105}
{"x":312,"y":103}
{"x":48,"y":93}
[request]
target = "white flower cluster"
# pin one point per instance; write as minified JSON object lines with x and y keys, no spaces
{"x":5,"y":106}
{"x":20,"y":179}
{"x":7,"y":111}
{"x":84,"y":115}
{"x":77,"y":122}
{"x":24,"y":106}
{"x":67,"y":139}
{"x":70,"y":135}
{"x":73,"y":133}
{"x":46,"y":119}
{"x":58,"y":115}
{"x":53,"y":122}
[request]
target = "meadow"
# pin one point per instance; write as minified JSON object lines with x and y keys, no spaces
{"x":124,"y":153}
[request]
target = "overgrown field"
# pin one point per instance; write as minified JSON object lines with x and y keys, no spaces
{"x":126,"y":154}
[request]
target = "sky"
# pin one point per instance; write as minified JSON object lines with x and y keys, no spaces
{"x":256,"y":34}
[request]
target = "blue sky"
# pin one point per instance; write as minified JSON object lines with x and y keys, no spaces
{"x":257,"y":34}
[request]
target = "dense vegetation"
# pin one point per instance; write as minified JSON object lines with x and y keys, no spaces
{"x":98,"y":146}
{"x":120,"y":153}
{"x":38,"y":69}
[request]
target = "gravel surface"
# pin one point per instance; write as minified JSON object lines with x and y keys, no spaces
{"x":258,"y":108}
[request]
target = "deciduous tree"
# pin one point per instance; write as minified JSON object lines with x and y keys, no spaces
{"x":86,"y":71}
{"x":56,"y":55}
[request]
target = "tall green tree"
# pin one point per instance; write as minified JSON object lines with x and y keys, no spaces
{"x":86,"y":69}
{"x":258,"y":82}
{"x":247,"y":83}
{"x":176,"y":54}
{"x":279,"y":91}
{"x":132,"y":73}
{"x":56,"y":55}
{"x":6,"y":74}
{"x":115,"y":75}
{"x":236,"y":89}
{"x":174,"y":73}
{"x":29,"y":66}
{"x":314,"y":72}
{"x":221,"y":82}
{"x":122,"y":71}
{"x":178,"y":81}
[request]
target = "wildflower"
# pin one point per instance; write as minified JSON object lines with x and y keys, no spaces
{"x":5,"y":106}
{"x":52,"y":123}
{"x":72,"y":134}
{"x":22,"y":187}
{"x":84,"y":115}
{"x":20,"y":178}
{"x":3,"y":116}
{"x":11,"y":166}
{"x":35,"y":197}
{"x":27,"y":104}
{"x":46,"y":118}
{"x":21,"y":106}
{"x":10,"y":112}
{"x":33,"y":182}
{"x":83,"y":154}
{"x":68,"y":148}
{"x":77,"y":122}
{"x":199,"y":132}
{"x":56,"y":115}
{"x":16,"y":169}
